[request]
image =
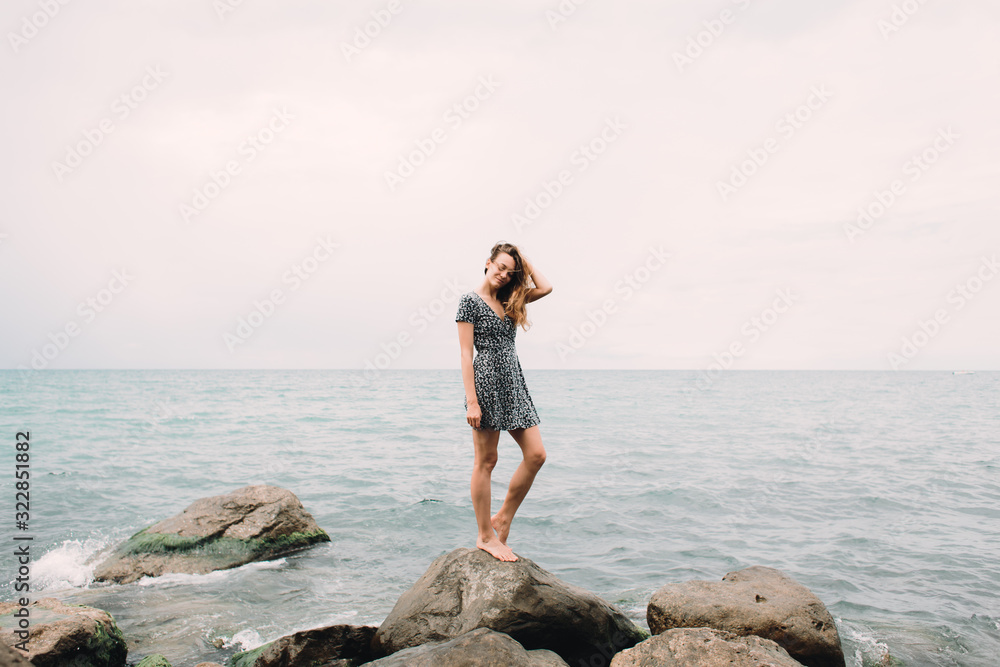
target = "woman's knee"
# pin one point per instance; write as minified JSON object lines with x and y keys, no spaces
{"x":536,"y":458}
{"x":486,"y":462}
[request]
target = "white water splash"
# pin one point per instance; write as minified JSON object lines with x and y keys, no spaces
{"x":183,"y":579}
{"x":246,"y":640}
{"x":870,"y":652}
{"x":66,"y":566}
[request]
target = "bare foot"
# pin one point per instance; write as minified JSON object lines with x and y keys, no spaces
{"x":496,"y":548}
{"x":502,"y":527}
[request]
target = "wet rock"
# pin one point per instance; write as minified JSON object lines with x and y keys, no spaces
{"x":468,"y":588}
{"x":155,"y":660}
{"x":541,"y":657}
{"x":704,"y":647}
{"x":759,"y":601}
{"x":331,"y":646}
{"x":253,"y":523}
{"x":12,"y":658}
{"x":61,"y":635}
{"x":481,"y":647}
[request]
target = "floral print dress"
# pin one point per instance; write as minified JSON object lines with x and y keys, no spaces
{"x":500,"y":387}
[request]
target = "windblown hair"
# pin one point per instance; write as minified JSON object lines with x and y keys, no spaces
{"x":513,"y":296}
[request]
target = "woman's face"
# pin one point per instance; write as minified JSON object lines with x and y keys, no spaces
{"x":502,"y":269}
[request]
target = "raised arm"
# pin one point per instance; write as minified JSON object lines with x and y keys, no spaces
{"x":542,"y":285}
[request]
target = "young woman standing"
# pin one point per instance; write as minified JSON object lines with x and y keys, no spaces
{"x":496,"y":396}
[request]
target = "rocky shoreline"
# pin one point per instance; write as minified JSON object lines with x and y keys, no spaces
{"x":467,"y":609}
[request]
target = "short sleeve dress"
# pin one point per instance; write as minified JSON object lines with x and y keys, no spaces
{"x":500,"y":387}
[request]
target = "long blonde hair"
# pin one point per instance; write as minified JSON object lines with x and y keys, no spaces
{"x":513,"y":296}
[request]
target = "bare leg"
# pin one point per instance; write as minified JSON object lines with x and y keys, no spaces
{"x":530,"y":442}
{"x":486,"y":459}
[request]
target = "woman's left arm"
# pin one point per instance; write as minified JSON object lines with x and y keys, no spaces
{"x":542,"y":285}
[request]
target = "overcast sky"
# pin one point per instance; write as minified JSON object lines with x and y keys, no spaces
{"x":227,"y":184}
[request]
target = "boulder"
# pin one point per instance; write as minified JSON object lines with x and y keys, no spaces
{"x":759,"y":601}
{"x":542,"y":657}
{"x":704,"y":647}
{"x":62,"y":634}
{"x":259,"y":522}
{"x":481,"y":647}
{"x":11,"y":658}
{"x":468,"y":588}
{"x":334,"y":645}
{"x":155,"y":660}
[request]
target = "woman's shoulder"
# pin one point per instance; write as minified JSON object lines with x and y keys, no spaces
{"x":467,"y":310}
{"x":471,"y":295}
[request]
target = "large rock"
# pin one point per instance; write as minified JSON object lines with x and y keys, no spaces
{"x":468,"y":589}
{"x":155,"y":660}
{"x":11,"y":658}
{"x":704,"y":647}
{"x":334,"y":645}
{"x":755,"y":601}
{"x":481,"y":647}
{"x":259,"y":522}
{"x":61,"y":635}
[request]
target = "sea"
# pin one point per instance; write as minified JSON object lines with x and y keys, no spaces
{"x":879,"y":491}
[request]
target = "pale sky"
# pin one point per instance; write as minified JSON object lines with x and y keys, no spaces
{"x":173,"y":163}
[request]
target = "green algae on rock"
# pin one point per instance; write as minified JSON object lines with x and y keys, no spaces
{"x":334,"y":645}
{"x":253,"y":523}
{"x":64,"y":634}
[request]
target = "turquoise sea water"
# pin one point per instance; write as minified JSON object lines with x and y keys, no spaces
{"x":880,"y":491}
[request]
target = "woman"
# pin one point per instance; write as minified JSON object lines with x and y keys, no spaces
{"x":496,"y":397}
